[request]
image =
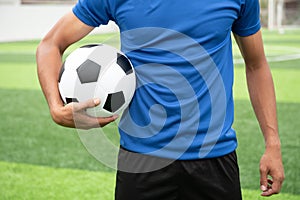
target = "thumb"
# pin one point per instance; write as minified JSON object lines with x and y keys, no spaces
{"x":87,"y":104}
{"x":96,"y":102}
{"x":263,"y":179}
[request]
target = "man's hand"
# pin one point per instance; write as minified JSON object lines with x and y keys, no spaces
{"x":74,"y":115}
{"x":271,"y":166}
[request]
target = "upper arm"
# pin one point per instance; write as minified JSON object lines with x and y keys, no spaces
{"x":67,"y":31}
{"x":252,"y":50}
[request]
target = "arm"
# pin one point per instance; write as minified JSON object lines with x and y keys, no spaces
{"x":262,"y":96}
{"x":67,"y":30}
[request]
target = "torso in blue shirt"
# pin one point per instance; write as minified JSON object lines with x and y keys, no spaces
{"x":182,"y":54}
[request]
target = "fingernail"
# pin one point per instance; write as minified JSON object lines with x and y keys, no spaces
{"x":263,"y":188}
{"x":96,"y":101}
{"x":115,"y":116}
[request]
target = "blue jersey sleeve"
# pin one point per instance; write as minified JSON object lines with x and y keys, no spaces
{"x":248,"y":21}
{"x":94,"y":12}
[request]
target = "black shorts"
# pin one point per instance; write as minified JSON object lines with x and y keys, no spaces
{"x":205,"y":179}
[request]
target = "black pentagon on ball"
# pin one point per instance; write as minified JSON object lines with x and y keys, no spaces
{"x":124,"y":63}
{"x":91,"y":45}
{"x":88,"y":71}
{"x":114,"y":101}
{"x":62,"y":69}
{"x":70,"y":100}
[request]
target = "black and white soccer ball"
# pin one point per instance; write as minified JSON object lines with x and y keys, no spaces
{"x":98,"y":71}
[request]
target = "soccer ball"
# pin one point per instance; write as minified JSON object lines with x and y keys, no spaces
{"x":98,"y":71}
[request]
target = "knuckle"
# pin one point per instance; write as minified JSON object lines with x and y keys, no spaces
{"x":281,"y":178}
{"x":262,"y":168}
{"x":276,"y":191}
{"x":88,"y":104}
{"x":57,"y":120}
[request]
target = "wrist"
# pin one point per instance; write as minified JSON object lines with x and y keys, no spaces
{"x":271,"y":136}
{"x":273,"y":149}
{"x":55,"y":111}
{"x":273,"y":143}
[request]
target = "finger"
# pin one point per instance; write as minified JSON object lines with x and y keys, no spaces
{"x":83,"y":121}
{"x":276,"y":186}
{"x":94,"y":122}
{"x":270,"y":182}
{"x":106,"y":120}
{"x":263,"y":179}
{"x":273,"y":188}
{"x":267,"y":193}
{"x":86,"y":104}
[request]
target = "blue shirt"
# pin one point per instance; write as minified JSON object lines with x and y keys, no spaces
{"x":182,"y":54}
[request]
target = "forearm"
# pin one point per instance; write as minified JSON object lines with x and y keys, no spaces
{"x":49,"y":55}
{"x":49,"y":62}
{"x":262,"y":95}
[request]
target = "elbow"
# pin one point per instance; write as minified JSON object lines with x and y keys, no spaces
{"x":47,"y":46}
{"x":46,"y":50}
{"x":38,"y":55}
{"x":41,"y":50}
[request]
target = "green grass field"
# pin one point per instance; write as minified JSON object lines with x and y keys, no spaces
{"x":40,"y":160}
